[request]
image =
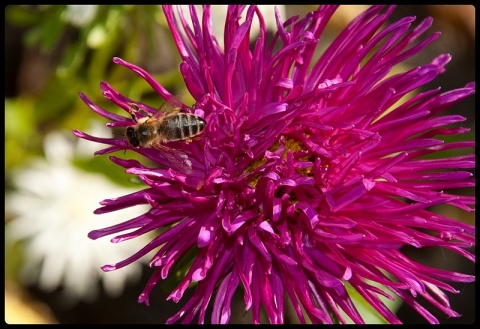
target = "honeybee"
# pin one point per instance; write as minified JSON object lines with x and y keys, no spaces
{"x":162,"y":127}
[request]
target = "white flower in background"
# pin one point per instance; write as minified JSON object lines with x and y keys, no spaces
{"x":54,"y":205}
{"x":80,"y":15}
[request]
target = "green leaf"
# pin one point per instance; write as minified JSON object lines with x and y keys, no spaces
{"x":21,"y":138}
{"x":72,"y":60}
{"x":21,"y":15}
{"x":368,"y":313}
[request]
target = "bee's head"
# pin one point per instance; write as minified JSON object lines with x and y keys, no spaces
{"x":131,"y":136}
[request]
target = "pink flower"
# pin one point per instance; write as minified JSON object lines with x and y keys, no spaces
{"x":307,"y":176}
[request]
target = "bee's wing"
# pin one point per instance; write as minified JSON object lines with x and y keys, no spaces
{"x":178,"y":159}
{"x":170,"y":107}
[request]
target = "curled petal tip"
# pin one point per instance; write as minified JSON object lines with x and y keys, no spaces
{"x":94,"y":235}
{"x":143,"y":298}
{"x":109,"y":268}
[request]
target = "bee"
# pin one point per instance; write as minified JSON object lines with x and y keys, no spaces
{"x":163,"y":127}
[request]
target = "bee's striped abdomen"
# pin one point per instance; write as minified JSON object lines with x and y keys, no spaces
{"x":183,"y":126}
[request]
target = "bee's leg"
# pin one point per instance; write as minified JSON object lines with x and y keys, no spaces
{"x":145,"y":113}
{"x":134,"y":109}
{"x":191,"y":139}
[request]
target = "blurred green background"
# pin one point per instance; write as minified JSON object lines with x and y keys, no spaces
{"x":54,"y":52}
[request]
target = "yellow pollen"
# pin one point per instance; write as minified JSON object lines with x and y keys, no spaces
{"x":290,"y":145}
